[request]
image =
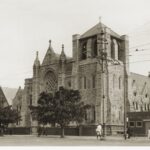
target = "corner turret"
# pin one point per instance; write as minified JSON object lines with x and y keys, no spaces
{"x":62,"y":55}
{"x":37,"y":62}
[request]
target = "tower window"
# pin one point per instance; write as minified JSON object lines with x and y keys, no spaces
{"x":84,"y":51}
{"x":30,"y":100}
{"x":95,"y":49}
{"x":112,"y":50}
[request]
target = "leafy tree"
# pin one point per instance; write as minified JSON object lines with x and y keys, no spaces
{"x":7,"y":116}
{"x":61,"y":108}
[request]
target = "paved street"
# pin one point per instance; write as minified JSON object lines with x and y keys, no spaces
{"x":31,"y":140}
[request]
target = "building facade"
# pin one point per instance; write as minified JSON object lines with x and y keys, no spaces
{"x":99,"y":69}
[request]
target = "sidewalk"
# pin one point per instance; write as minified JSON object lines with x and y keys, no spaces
{"x":55,"y":140}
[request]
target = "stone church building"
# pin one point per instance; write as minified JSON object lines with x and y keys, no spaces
{"x":98,"y":68}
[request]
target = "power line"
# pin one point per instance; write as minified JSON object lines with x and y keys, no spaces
{"x":140,"y":45}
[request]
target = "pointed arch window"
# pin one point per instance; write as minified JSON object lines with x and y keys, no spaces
{"x":119,"y":51}
{"x":112,"y":50}
{"x":120,"y":82}
{"x":50,"y":82}
{"x":114,"y":80}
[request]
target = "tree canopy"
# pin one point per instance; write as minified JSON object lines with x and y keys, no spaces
{"x":62,"y":107}
{"x":7,"y":116}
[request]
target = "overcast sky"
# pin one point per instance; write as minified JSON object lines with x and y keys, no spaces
{"x":27,"y":25}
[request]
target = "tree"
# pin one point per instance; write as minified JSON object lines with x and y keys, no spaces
{"x":61,"y":108}
{"x":7,"y":116}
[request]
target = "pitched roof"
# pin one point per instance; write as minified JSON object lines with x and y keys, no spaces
{"x":3,"y":99}
{"x":95,"y":30}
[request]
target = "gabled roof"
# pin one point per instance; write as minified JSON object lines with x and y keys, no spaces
{"x":3,"y":99}
{"x":50,"y":55}
{"x":95,"y":30}
{"x":18,"y":97}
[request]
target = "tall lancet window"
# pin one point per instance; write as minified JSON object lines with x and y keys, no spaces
{"x":114,"y":81}
{"x":120,"y":82}
{"x":114,"y":49}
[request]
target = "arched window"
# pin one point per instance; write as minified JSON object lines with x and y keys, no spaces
{"x":50,"y":82}
{"x":120,"y":82}
{"x":84,"y":51}
{"x":145,"y":107}
{"x":119,"y":52}
{"x":112,"y":50}
{"x":137,"y":106}
{"x":95,"y":48}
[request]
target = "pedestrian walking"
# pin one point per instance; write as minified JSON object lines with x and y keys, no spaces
{"x":149,"y":133}
{"x":128,"y":132}
{"x":99,"y":131}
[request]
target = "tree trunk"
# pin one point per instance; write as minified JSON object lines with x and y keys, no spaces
{"x":62,"y":132}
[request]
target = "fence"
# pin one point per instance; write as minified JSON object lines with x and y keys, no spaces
{"x":75,"y":131}
{"x":18,"y":130}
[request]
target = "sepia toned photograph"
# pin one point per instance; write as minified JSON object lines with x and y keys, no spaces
{"x":74,"y":73}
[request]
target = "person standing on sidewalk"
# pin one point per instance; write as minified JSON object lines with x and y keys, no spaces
{"x":99,"y":131}
{"x":128,"y":133}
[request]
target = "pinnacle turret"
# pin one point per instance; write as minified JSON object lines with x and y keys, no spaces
{"x":50,"y":49}
{"x":62,"y":55}
{"x":37,"y":62}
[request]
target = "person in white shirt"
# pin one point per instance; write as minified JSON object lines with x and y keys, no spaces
{"x":99,"y":131}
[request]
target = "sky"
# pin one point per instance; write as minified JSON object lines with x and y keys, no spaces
{"x":26,"y":26}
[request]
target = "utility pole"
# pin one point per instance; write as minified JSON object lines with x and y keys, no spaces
{"x":103,"y":62}
{"x":125,"y":98}
{"x":104,"y":58}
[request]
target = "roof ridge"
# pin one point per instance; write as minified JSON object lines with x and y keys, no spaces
{"x":94,"y":30}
